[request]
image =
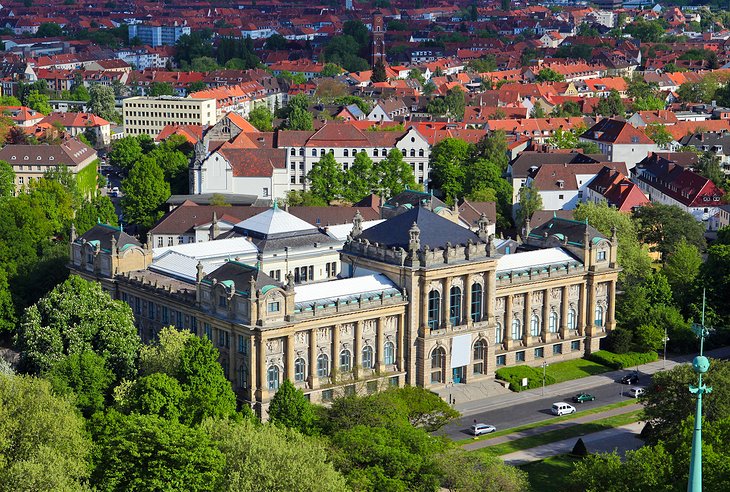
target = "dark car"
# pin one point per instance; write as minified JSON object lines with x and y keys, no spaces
{"x":632,"y":378}
{"x":583,"y":397}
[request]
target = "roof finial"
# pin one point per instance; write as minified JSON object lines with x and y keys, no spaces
{"x":276,"y":205}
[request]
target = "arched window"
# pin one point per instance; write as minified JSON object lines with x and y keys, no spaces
{"x":420,"y":153}
{"x":375,"y":152}
{"x":455,"y":305}
{"x":346,"y":153}
{"x":438,"y":361}
{"x":553,"y":322}
{"x":476,"y":302}
{"x":314,"y":152}
{"x":599,"y":316}
{"x":367,"y":357}
{"x":273,"y":378}
{"x":480,"y":354}
{"x":516,"y":329}
{"x":413,"y":152}
{"x":571,"y":319}
{"x":323,"y":366}
{"x":300,"y":369}
{"x":293,"y":151}
{"x":345,"y":361}
{"x":534,"y":326}
{"x":389,"y":353}
{"x":434,"y":309}
{"x":498,"y":333}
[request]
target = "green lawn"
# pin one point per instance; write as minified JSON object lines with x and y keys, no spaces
{"x":560,"y":434}
{"x":549,"y":475}
{"x":575,"y":369}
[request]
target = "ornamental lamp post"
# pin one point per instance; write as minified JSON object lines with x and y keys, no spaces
{"x":700,"y":364}
{"x":544,"y":365}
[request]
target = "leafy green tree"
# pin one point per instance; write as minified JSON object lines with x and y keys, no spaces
{"x":290,"y":408}
{"x":611,"y":105}
{"x":703,"y":91}
{"x":659,"y":134}
{"x":174,"y":165}
{"x":645,"y":31}
{"x":43,"y":444}
{"x":638,"y":88}
{"x":455,"y":103}
{"x":261,"y":118}
{"x":379,"y":74}
{"x":420,"y":408}
{"x":549,"y":75}
{"x":146,"y":452}
{"x":663,"y":226}
{"x":530,"y":202}
{"x":7,"y":308}
{"x":393,"y":174}
{"x":125,"y":152}
{"x":9,"y":101}
{"x":469,"y":472}
{"x":39,"y":102}
{"x":300,"y":119}
{"x":163,"y":355}
{"x":343,"y":51}
{"x":269,"y":458}
{"x":325,"y":178}
{"x":49,"y":30}
{"x":709,"y":167}
{"x":295,"y":198}
{"x":563,"y":139}
{"x":359,"y":178}
{"x":156,"y":394}
{"x":160,"y":89}
{"x":203,"y":64}
{"x":101,"y":102}
{"x":85,"y":378}
{"x":447,"y":162}
{"x":196,"y":86}
{"x":7,"y":180}
{"x":99,"y":209}
{"x":649,"y":103}
{"x":485,"y":64}
{"x":682,"y":268}
{"x":145,"y":190}
{"x":493,"y":147}
{"x":75,"y":317}
{"x":566,"y":110}
{"x":277,"y":42}
{"x":716,"y":274}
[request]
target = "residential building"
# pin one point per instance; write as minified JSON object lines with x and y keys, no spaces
{"x":718,"y":144}
{"x":79,"y":123}
{"x":157,"y":35}
{"x":620,"y":141}
{"x":616,"y":189}
{"x":149,"y":115}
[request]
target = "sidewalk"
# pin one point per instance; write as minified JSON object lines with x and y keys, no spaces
{"x":547,"y":428}
{"x":494,"y":399}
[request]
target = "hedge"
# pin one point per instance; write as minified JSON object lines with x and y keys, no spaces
{"x":514,"y":376}
{"x":623,"y":361}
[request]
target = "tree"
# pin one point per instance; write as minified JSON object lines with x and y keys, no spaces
{"x":164,"y":354}
{"x":268,"y":458}
{"x":649,"y":103}
{"x":39,"y":102}
{"x":563,"y":139}
{"x":530,"y":202}
{"x":160,"y":89}
{"x":290,"y":408}
{"x":157,"y":394}
{"x":174,"y":165}
{"x":682,"y":268}
{"x":203,"y":64}
{"x":659,"y":134}
{"x":611,"y":105}
{"x":101,"y":102}
{"x":716,"y":274}
{"x":43,"y":443}
{"x":549,"y":75}
{"x":125,"y":152}
{"x":663,"y":226}
{"x":360,"y":178}
{"x":447,"y":163}
{"x":393,"y":174}
{"x":645,"y":31}
{"x":331,"y":70}
{"x":537,"y":111}
{"x":7,"y":180}
{"x":99,"y":209}
{"x":146,"y":452}
{"x":261,"y":118}
{"x":455,"y":103}
{"x":49,"y":30}
{"x":468,"y":472}
{"x":84,"y":378}
{"x":295,"y":198}
{"x":325,"y":178}
{"x":566,"y":110}
{"x":145,"y":190}
{"x":330,"y":89}
{"x":300,"y":119}
{"x":196,"y":86}
{"x":709,"y":167}
{"x":379,"y":74}
{"x":703,"y":91}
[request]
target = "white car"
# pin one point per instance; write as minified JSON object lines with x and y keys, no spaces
{"x":479,"y":429}
{"x":562,"y":408}
{"x":636,"y":392}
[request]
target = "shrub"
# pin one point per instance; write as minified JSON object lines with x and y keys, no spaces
{"x":623,"y":361}
{"x":514,"y":376}
{"x":579,"y":449}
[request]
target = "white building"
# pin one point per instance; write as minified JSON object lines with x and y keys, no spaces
{"x":149,"y":115}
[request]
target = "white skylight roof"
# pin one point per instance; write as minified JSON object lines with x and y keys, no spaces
{"x":340,"y":231}
{"x":530,"y":259}
{"x":274,"y":221}
{"x":231,"y":247}
{"x":347,"y":287}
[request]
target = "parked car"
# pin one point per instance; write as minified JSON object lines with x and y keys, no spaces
{"x":632,"y":378}
{"x":583,"y":397}
{"x":636,"y":392}
{"x":114,"y":192}
{"x":562,"y":408}
{"x":479,"y":429}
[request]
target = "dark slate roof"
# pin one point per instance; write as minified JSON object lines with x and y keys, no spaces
{"x":241,"y":275}
{"x":574,"y":230}
{"x":409,"y":199}
{"x":436,"y":231}
{"x":103,"y":233}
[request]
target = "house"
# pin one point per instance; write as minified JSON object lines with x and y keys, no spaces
{"x":388,"y":110}
{"x":716,"y":143}
{"x":22,"y":116}
{"x":80,"y":123}
{"x":620,"y":141}
{"x":642,"y":119}
{"x":616,"y":189}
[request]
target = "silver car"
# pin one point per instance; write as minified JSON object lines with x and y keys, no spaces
{"x":479,"y":429}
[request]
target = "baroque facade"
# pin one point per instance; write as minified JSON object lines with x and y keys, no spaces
{"x":418,"y":300}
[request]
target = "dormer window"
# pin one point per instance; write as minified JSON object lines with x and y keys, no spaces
{"x":50,"y":158}
{"x":273,"y":307}
{"x":561,"y":184}
{"x":25,"y":158}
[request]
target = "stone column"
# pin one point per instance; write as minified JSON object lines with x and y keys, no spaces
{"x":313,"y":379}
{"x":335,"y":350}
{"x":508,"y":321}
{"x":490,"y":294}
{"x":263,"y":388}
{"x":445,"y":322}
{"x":564,"y":304}
{"x":466,"y":314}
{"x":379,"y":349}
{"x":587,"y":299}
{"x":400,"y":343}
{"x":545,"y":315}
{"x":526,"y":335}
{"x":424,"y":306}
{"x":611,"y":315}
{"x":289,"y":354}
{"x":252,"y":365}
{"x":357,"y":349}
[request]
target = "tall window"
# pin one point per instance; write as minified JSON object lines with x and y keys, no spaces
{"x":345,"y":361}
{"x":434,"y":309}
{"x":455,"y":306}
{"x":242,"y":376}
{"x":323,"y":366}
{"x":480,"y":352}
{"x":367,"y":357}
{"x":599,"y":316}
{"x":498,"y":333}
{"x":476,"y":302}
{"x":553,"y":322}
{"x":516,"y":329}
{"x":389,"y":353}
{"x":571,"y":319}
{"x":273,"y":378}
{"x":438,"y":359}
{"x":299,"y":370}
{"x":534,"y":326}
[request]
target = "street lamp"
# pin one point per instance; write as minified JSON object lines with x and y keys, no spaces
{"x":666,"y":339}
{"x":544,"y":365}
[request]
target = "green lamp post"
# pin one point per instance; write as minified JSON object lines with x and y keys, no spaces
{"x":700,"y":364}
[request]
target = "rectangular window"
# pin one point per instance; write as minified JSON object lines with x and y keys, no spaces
{"x":221,"y":338}
{"x":311,"y":273}
{"x":178,"y":319}
{"x":501,"y":360}
{"x":169,"y":241}
{"x":137,"y":305}
{"x":350,"y":390}
{"x":520,"y":356}
{"x":601,"y":256}
{"x":394,"y":381}
{"x":558,"y":349}
{"x":327,"y":395}
{"x":222,"y":301}
{"x":265,"y":192}
{"x":273,"y":307}
{"x":165,"y":314}
{"x":575,"y":345}
{"x":372,"y":387}
{"x":539,"y":353}
{"x":241,"y":344}
{"x":151,"y":310}
{"x":208,"y":331}
{"x":194,"y":325}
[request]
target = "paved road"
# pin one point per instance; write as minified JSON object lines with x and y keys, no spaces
{"x":622,"y":439}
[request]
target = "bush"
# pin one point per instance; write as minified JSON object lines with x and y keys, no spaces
{"x":579,"y":449}
{"x":623,"y":361}
{"x":514,"y":376}
{"x":619,"y":341}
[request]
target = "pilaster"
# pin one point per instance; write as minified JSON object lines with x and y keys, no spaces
{"x":313,"y":380}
